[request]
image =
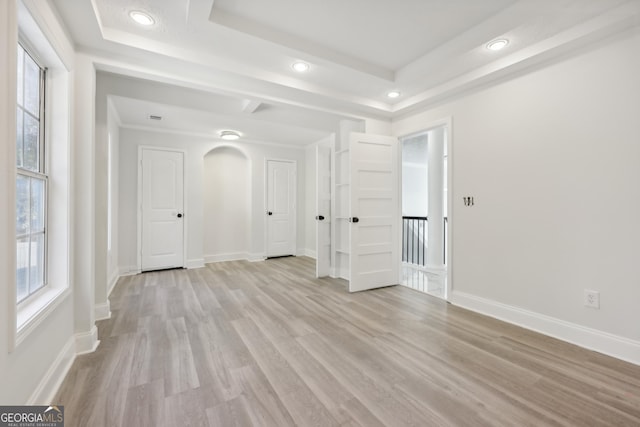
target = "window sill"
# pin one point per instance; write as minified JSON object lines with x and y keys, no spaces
{"x":34,"y":311}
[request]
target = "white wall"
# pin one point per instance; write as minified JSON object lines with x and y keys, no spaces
{"x":196,"y":148}
{"x":415,"y":180}
{"x":227,"y":205}
{"x":551,"y":158}
{"x":377,"y":126}
{"x":113,"y":129}
{"x":104,"y":124}
{"x":414,"y":189}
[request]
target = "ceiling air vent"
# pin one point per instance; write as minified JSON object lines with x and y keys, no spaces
{"x":153,"y":117}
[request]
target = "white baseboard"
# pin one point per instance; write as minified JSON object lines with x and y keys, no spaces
{"x":341,"y":273}
{"x":307,"y":252}
{"x":50,"y":382}
{"x":195,"y":263}
{"x":235,"y":256}
{"x":130,"y":270}
{"x":256,"y":257}
{"x":113,"y":280}
{"x":592,"y":339}
{"x":87,"y":342}
{"x":103,"y":311}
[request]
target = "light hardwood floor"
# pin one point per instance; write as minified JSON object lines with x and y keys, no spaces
{"x":242,"y":344}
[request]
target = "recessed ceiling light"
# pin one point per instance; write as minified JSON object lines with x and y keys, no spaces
{"x":141,"y":18}
{"x":229,"y":135}
{"x":498,"y":44}
{"x":300,"y":66}
{"x":393,"y":94}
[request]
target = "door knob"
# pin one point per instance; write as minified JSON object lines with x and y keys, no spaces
{"x":179,"y":215}
{"x":320,"y":218}
{"x":354,"y":219}
{"x":269,"y":213}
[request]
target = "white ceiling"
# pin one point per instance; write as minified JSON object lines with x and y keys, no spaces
{"x":242,"y":51}
{"x":384,"y":33}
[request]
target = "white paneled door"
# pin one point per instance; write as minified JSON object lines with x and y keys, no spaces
{"x":281,"y":208}
{"x":374,"y":207}
{"x":162,"y":209}
{"x":323,"y":209}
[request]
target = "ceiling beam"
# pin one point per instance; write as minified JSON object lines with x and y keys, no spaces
{"x":250,"y":106}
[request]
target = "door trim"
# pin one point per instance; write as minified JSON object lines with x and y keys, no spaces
{"x":447,"y":122}
{"x":185,"y":227}
{"x":266,"y":203}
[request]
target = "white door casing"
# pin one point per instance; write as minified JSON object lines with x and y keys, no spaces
{"x":375,"y":207}
{"x":161,"y":199}
{"x":323,"y":209}
{"x":281,"y":208}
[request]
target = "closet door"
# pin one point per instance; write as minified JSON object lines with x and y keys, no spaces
{"x":281,"y":208}
{"x":162,"y":201}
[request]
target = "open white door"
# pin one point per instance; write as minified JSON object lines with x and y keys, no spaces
{"x":323,"y":209}
{"x":162,"y":202}
{"x":375,"y":258}
{"x":281,"y":208}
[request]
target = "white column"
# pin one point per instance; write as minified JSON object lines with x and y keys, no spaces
{"x":435,"y":150}
{"x":101,"y":155}
{"x":83,"y":216}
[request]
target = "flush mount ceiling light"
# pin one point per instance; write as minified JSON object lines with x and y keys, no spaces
{"x":393,"y":94}
{"x":142,"y":18}
{"x":497,"y":44}
{"x":229,"y":135}
{"x":300,"y":66}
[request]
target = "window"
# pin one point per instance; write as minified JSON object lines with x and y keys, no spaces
{"x":43,"y":204}
{"x":31,"y":179}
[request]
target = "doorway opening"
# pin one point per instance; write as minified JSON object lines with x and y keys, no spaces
{"x":425,"y":219}
{"x":226,"y":204}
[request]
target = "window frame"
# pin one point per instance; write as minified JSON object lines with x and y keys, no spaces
{"x":41,"y":174}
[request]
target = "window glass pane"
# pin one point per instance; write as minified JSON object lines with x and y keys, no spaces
{"x":31,"y":151}
{"x":31,"y":86}
{"x":30,"y":191}
{"x":23,"y":205}
{"x":37,"y":205}
{"x":19,"y":138}
{"x":36,"y":263}
{"x":20,"y":73}
{"x":22,"y":271}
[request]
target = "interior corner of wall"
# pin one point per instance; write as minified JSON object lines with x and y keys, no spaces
{"x":256,"y":257}
{"x":195,"y":263}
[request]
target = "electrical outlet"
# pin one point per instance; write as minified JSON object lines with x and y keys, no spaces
{"x":591,"y":298}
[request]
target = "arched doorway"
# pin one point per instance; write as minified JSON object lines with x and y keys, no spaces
{"x":227,"y":204}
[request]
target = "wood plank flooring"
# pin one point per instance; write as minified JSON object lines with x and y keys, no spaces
{"x":266,"y":344}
